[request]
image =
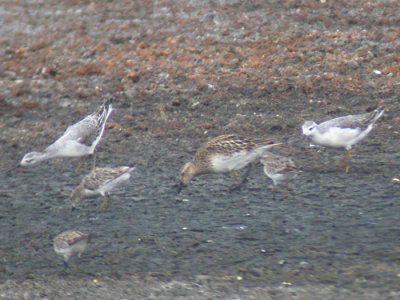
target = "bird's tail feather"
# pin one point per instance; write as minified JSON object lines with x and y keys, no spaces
{"x":376,"y":114}
{"x":101,"y":123}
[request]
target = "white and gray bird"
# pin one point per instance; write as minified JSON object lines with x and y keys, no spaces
{"x":278,"y":168}
{"x":78,"y":140}
{"x":100,"y":181}
{"x":342,"y":132}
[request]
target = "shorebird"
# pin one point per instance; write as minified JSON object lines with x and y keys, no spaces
{"x":100,"y":181}
{"x":342,"y":132}
{"x":278,"y":168}
{"x":226,"y":153}
{"x":70,"y":243}
{"x":78,"y":140}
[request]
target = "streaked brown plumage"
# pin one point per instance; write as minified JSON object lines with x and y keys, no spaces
{"x":69,"y":243}
{"x":100,"y":181}
{"x":278,"y":168}
{"x":225,"y":153}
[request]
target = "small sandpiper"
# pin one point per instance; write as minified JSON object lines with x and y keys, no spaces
{"x":70,"y":243}
{"x":342,"y":132}
{"x":279,"y":168}
{"x":100,"y":181}
{"x":226,"y":153}
{"x":78,"y":140}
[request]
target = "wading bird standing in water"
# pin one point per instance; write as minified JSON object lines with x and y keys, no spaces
{"x":342,"y":132}
{"x":79,"y":140}
{"x":226,"y":153}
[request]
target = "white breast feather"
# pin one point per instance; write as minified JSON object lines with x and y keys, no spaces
{"x":225,"y":163}
{"x":338,"y":137}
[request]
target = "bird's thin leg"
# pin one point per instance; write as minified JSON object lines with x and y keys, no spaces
{"x":236,"y":183}
{"x":81,"y":163}
{"x":348,"y":154}
{"x":343,"y":163}
{"x":346,"y":170}
{"x":246,"y":174}
{"x":65,"y":268}
{"x":235,"y":178}
{"x":77,"y":268}
{"x":273,"y":192}
{"x":106,"y":203}
{"x":286,"y":193}
{"x":94,"y":161}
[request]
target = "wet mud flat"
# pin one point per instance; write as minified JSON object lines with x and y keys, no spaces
{"x":334,"y":234}
{"x":225,"y":69}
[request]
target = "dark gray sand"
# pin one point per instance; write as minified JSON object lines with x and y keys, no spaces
{"x":182,"y":72}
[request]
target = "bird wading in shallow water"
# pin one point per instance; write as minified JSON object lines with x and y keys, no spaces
{"x":100,"y":181}
{"x":70,"y":243}
{"x":226,"y":153}
{"x":342,"y":132}
{"x":78,"y":140}
{"x":279,"y":169}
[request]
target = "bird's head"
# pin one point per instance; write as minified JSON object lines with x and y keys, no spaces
{"x":309,"y":128}
{"x":31,"y":158}
{"x":187,"y":172}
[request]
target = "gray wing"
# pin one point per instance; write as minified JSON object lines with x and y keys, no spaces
{"x":83,"y":131}
{"x":88,"y":131}
{"x":351,"y":121}
{"x":80,"y":132}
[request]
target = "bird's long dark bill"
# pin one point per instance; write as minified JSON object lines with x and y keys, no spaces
{"x":180,"y":187}
{"x":12,"y":168}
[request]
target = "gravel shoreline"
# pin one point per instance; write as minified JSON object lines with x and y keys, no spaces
{"x":205,"y":288}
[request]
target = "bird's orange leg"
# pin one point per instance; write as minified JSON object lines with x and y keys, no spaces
{"x":81,"y":164}
{"x":343,"y":163}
